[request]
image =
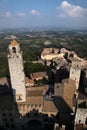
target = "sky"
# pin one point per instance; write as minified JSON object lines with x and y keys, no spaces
{"x":43,"y":13}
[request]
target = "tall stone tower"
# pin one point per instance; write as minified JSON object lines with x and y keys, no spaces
{"x":17,"y":76}
{"x":75,"y":72}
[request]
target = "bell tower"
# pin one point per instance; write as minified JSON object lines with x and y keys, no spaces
{"x":17,"y":75}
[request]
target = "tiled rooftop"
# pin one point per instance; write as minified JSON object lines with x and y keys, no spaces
{"x":49,"y":106}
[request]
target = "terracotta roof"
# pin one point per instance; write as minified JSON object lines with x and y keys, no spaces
{"x":14,"y":43}
{"x":63,"y":50}
{"x":35,"y":100}
{"x":38,"y":75}
{"x":69,"y":81}
{"x":34,"y":96}
{"x":49,"y":51}
{"x":49,"y":106}
{"x":34,"y":93}
{"x":29,"y":82}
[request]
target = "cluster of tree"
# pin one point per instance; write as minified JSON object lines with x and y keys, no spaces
{"x":4,"y":71}
{"x":30,"y":67}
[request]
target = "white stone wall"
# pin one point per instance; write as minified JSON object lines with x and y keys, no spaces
{"x":51,"y":56}
{"x":17,"y":76}
{"x":75,"y":75}
{"x":16,"y":47}
{"x":81,"y":115}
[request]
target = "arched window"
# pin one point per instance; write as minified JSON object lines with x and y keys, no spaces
{"x":14,"y":50}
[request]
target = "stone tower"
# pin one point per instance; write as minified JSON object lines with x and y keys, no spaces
{"x":17,"y":76}
{"x":75,"y":72}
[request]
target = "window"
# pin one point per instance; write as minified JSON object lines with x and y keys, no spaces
{"x":39,"y":105}
{"x":35,"y":106}
{"x":19,"y":98}
{"x":14,"y":50}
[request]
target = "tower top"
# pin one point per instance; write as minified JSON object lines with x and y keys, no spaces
{"x":14,"y":43}
{"x":14,"y":48}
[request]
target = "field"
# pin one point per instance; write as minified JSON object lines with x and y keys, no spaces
{"x":32,"y":42}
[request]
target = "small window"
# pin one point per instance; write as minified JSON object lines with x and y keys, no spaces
{"x":35,"y":106}
{"x":14,"y":50}
{"x":19,"y":98}
{"x":39,"y":105}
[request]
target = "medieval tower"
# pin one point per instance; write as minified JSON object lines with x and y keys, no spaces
{"x":17,"y":76}
{"x":75,"y":72}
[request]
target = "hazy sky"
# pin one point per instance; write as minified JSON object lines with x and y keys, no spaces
{"x":28,"y":13}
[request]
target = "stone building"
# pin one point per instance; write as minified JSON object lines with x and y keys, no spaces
{"x":75,"y":72}
{"x":21,"y":106}
{"x":81,"y":114}
{"x":50,"y":54}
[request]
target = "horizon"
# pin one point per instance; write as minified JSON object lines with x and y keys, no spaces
{"x":44,"y":28}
